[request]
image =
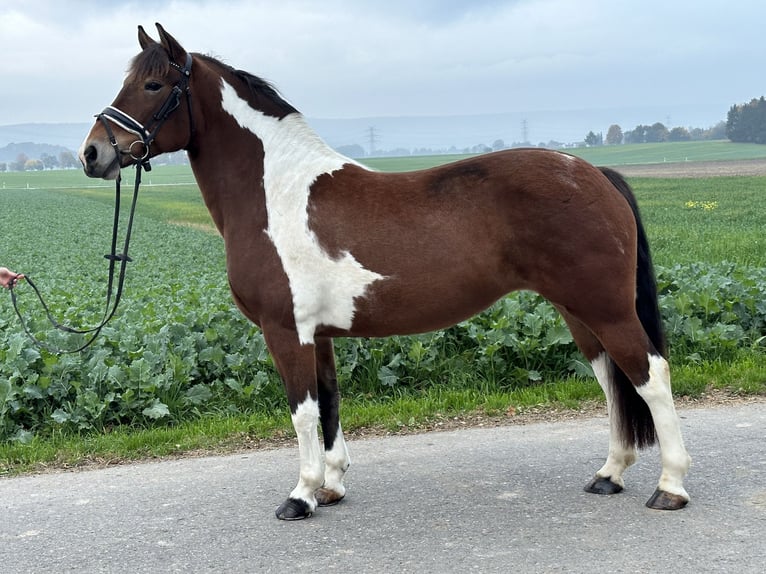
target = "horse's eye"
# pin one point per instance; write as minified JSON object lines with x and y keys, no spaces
{"x":153,"y":86}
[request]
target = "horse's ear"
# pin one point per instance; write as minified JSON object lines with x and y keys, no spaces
{"x":143,"y":38}
{"x":175,"y":50}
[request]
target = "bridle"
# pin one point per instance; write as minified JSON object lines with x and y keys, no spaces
{"x":147,"y":134}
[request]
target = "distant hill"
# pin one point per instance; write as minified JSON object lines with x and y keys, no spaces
{"x":12,"y":151}
{"x":68,"y":136}
{"x":414,"y":134}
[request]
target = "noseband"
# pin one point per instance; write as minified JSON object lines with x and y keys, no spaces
{"x":147,"y":134}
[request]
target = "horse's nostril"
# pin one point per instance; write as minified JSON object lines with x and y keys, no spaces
{"x":90,"y":154}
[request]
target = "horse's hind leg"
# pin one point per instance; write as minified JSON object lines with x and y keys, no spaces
{"x":336,"y":453}
{"x":608,"y":479}
{"x":649,"y":379}
{"x":670,"y":493}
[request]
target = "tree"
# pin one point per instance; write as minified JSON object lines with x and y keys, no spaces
{"x":679,"y":135}
{"x":747,"y":122}
{"x":49,"y":161}
{"x":614,"y":135}
{"x":20,"y":163}
{"x":637,"y":134}
{"x":497,"y":145}
{"x":67,"y":160}
{"x":657,"y":132}
{"x":33,"y":165}
{"x":593,"y":139}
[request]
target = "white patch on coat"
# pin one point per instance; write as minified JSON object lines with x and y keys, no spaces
{"x":305,"y":421}
{"x":337,"y":462}
{"x":675,"y":460}
{"x":620,"y":457}
{"x":323,"y":288}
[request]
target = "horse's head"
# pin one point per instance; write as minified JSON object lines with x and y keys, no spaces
{"x":151,"y":114}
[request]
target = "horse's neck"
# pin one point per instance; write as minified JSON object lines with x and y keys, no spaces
{"x":289,"y":144}
{"x":284,"y":153}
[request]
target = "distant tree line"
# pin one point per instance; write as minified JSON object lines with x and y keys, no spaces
{"x":654,"y":133}
{"x":747,"y":122}
{"x":67,"y":160}
{"x":64,"y":160}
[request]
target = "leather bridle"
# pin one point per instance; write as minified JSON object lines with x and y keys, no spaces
{"x":148,"y":133}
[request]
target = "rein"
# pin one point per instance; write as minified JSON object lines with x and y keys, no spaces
{"x":147,"y":135}
{"x":113,"y":257}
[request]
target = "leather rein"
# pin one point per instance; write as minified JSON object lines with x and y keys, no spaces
{"x":147,"y":134}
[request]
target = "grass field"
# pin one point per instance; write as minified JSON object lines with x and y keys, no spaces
{"x":634,"y":154}
{"x":178,"y":338}
{"x":732,"y":228}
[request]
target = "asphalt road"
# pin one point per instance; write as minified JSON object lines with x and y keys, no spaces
{"x":505,"y":499}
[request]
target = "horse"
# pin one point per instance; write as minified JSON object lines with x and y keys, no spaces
{"x":319,"y":246}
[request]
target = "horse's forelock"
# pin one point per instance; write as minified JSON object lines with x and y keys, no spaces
{"x":153,"y":61}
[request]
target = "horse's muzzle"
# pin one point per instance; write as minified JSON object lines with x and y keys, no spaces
{"x":99,"y":160}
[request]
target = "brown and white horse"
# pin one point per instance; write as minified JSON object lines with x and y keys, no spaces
{"x":318,"y":246}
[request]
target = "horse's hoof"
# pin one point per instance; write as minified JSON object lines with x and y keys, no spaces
{"x":327,"y":497}
{"x":293,"y":509}
{"x":662,"y":500}
{"x":602,"y":485}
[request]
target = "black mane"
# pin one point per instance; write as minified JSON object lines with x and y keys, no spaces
{"x":153,"y":61}
{"x":259,"y":88}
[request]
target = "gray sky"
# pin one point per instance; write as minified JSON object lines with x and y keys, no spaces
{"x":64,"y":61}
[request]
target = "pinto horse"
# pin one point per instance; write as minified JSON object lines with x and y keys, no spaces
{"x":319,"y":246}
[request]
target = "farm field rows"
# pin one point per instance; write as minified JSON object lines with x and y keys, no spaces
{"x":179,"y":351}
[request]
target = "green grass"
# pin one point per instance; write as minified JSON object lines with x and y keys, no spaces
{"x":407,"y":412}
{"x":618,"y":155}
{"x":708,"y":219}
{"x":670,"y":152}
{"x":681,"y":230}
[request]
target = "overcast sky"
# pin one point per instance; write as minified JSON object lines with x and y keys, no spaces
{"x":64,"y":61}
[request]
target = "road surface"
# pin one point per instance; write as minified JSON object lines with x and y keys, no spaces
{"x":503,"y":499}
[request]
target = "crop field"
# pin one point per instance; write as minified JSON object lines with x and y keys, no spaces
{"x":178,"y":349}
{"x":621,"y":155}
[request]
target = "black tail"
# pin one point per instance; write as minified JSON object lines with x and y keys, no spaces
{"x":637,"y":424}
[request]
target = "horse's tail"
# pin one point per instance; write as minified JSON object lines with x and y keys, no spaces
{"x":637,"y":424}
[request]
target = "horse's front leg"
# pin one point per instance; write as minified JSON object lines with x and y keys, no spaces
{"x":336,"y":453}
{"x":296,"y":364}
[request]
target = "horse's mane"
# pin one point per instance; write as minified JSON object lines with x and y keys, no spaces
{"x":259,"y":88}
{"x":153,"y":61}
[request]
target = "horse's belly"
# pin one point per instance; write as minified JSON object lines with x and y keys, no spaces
{"x":408,"y":311}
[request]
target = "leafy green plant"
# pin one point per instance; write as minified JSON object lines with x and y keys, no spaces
{"x":179,"y":350}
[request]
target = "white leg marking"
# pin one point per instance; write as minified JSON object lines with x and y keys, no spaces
{"x":337,"y":462}
{"x":323,"y":288}
{"x":675,"y":460}
{"x":305,"y":421}
{"x":620,"y":457}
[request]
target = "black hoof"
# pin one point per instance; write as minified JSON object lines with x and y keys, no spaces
{"x":602,"y":485}
{"x":662,"y":500}
{"x":293,"y":509}
{"x":326,"y":497}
